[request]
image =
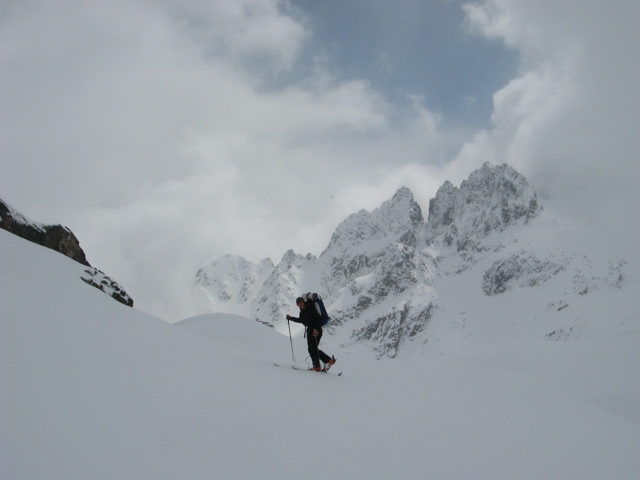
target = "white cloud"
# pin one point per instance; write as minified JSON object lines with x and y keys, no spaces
{"x":155,"y":130}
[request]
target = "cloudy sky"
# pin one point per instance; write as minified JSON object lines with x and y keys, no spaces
{"x":165,"y":133}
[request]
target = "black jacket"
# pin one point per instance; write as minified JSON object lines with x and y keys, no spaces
{"x":309,"y":317}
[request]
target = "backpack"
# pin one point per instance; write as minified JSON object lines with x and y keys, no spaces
{"x":319,"y":304}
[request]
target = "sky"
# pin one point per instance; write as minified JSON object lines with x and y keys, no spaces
{"x":167,"y":133}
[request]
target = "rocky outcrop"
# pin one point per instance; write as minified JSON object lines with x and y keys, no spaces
{"x":96,"y":278}
{"x":55,"y":237}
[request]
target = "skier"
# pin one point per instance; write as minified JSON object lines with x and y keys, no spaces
{"x":311,"y":318}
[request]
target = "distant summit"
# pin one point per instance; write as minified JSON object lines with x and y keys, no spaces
{"x":492,"y":199}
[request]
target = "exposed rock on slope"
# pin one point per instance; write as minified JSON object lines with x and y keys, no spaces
{"x":96,"y":278}
{"x":492,"y":199}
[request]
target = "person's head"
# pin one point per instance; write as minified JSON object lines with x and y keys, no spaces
{"x":301,"y":303}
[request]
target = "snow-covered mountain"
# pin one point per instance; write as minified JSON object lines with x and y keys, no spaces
{"x":488,"y":252}
{"x":91,"y":389}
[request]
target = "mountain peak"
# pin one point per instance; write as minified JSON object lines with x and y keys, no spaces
{"x":402,"y":193}
{"x":491,"y":199}
{"x":392,"y":220}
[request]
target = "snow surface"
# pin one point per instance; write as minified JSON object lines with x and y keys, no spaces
{"x":92,"y":389}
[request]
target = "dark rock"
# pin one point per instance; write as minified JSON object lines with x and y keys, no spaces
{"x":491,"y":200}
{"x":55,"y":237}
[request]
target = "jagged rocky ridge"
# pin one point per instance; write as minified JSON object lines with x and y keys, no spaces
{"x":62,"y":240}
{"x":491,"y":200}
{"x":390,"y":278}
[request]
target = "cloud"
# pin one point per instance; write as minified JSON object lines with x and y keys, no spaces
{"x":166,"y":133}
{"x":567,"y":119}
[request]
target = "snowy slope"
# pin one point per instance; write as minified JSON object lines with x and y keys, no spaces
{"x":540,"y":281}
{"x":94,"y":389}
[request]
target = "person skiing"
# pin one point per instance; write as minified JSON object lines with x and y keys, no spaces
{"x":311,"y":318}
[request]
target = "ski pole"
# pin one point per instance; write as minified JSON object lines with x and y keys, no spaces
{"x":315,"y":337}
{"x":291,"y":340}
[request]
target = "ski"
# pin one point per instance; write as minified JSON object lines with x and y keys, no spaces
{"x":305,"y":369}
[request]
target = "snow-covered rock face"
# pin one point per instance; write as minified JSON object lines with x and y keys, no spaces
{"x":374,"y":243}
{"x":491,"y":200}
{"x":372,"y":269}
{"x":391,"y":280}
{"x":375,"y":302}
{"x":522,"y":269}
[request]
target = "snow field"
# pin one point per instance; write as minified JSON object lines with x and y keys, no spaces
{"x":93,"y":389}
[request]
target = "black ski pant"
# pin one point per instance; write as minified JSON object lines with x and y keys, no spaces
{"x":314,"y":351}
